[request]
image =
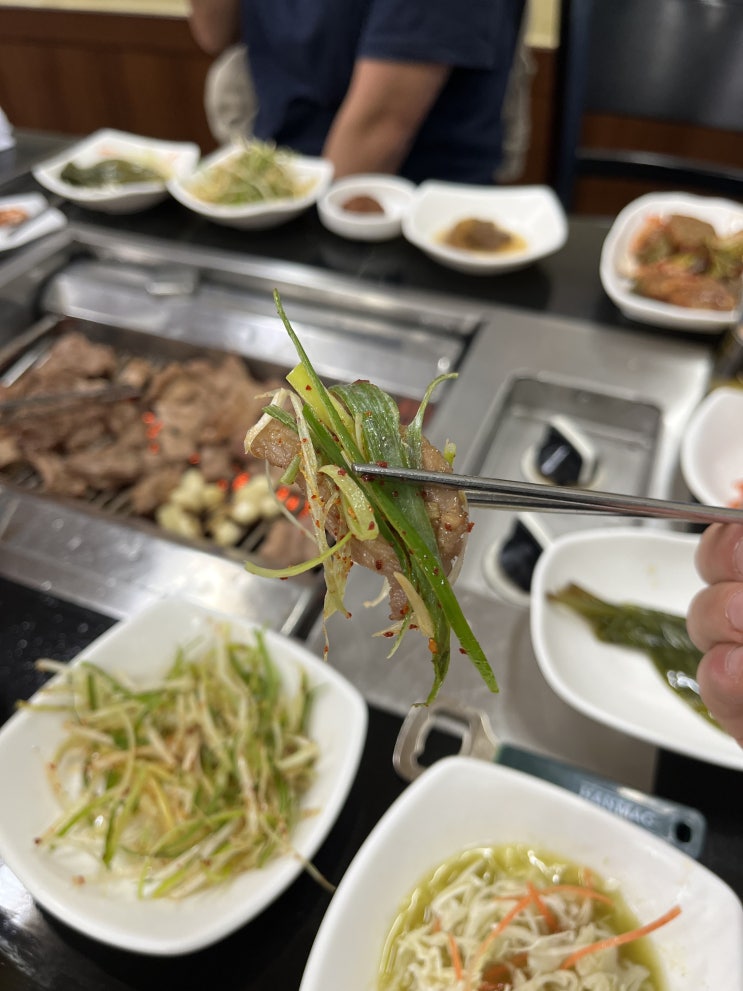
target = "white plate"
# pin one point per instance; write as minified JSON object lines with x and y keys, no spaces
{"x":318,"y":172}
{"x":170,"y":157}
{"x":45,"y":220}
{"x":391,"y":192}
{"x":724,"y":215}
{"x":712,"y":449}
{"x":145,"y":647}
{"x":461,"y":802}
{"x":533,"y":212}
{"x":615,"y":685}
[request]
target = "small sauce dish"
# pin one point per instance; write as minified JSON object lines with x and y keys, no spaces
{"x":366,"y":207}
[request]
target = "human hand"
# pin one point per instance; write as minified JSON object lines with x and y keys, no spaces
{"x":715,"y":624}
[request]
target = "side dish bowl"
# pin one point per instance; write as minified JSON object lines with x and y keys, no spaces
{"x":615,"y":685}
{"x":392,"y":193}
{"x":143,"y":649}
{"x":712,"y":449}
{"x":462,"y":802}
{"x":40,"y":219}
{"x":616,"y":263}
{"x":532,"y":213}
{"x":170,"y":158}
{"x":314,"y":174}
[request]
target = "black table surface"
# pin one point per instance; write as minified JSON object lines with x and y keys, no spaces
{"x":40,"y":952}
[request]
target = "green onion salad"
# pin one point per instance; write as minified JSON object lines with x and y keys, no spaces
{"x":257,"y":172}
{"x":358,"y":422}
{"x":180,"y":786}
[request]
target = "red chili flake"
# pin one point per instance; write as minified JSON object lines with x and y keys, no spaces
{"x":372,"y":526}
{"x":148,"y":417}
{"x":383,"y":464}
{"x":223,"y":484}
{"x":395,"y":493}
{"x":432,"y":645}
{"x":305,"y":510}
{"x":388,"y":633}
{"x":342,"y":471}
{"x":78,"y":880}
{"x":153,"y":448}
{"x":435,"y":571}
{"x":378,"y":565}
{"x":447,"y":526}
{"x":153,"y":430}
{"x":308,"y":388}
{"x":463,"y":651}
{"x":469,"y":527}
{"x":292,"y":502}
{"x":242,"y":479}
{"x":195,"y":458}
{"x":283,"y":578}
{"x":283,"y":492}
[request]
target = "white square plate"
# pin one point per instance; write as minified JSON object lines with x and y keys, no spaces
{"x":316,"y":172}
{"x":712,"y":449}
{"x":615,"y":685}
{"x":42,"y":219}
{"x":461,"y":802}
{"x":144,"y":648}
{"x":724,"y":215}
{"x":169,"y":157}
{"x":532,"y":212}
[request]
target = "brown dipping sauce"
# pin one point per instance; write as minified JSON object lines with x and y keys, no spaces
{"x":473,"y":234}
{"x":363,"y":204}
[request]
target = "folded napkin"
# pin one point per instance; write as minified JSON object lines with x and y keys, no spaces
{"x":6,"y":133}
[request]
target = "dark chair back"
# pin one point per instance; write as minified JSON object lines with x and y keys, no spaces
{"x":671,"y":61}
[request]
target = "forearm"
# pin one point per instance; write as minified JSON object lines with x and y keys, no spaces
{"x":381,"y":115}
{"x":215,"y":24}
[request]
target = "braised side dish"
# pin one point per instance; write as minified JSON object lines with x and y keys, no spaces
{"x":412,"y":538}
{"x":257,"y":172}
{"x":683,"y":261}
{"x":173,"y":454}
{"x":510,"y":917}
{"x":182,"y":784}
{"x":472,"y":234}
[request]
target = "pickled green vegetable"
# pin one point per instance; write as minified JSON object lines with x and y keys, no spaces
{"x":659,"y":635}
{"x":109,"y":172}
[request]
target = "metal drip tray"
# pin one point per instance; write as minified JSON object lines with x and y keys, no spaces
{"x":623,"y":434}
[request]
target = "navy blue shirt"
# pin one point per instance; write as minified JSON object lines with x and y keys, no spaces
{"x":302,"y":55}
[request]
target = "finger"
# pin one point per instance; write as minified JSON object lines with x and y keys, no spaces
{"x":720,"y":677}
{"x":719,"y":554}
{"x":715,"y":615}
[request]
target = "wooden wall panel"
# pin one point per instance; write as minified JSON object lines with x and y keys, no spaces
{"x":75,"y":72}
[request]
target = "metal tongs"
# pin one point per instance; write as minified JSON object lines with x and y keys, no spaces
{"x":498,"y":493}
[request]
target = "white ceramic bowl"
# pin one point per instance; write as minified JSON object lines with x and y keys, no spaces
{"x":618,"y":686}
{"x":316,"y":172}
{"x":532,"y":212}
{"x":462,"y":802}
{"x":391,"y":192}
{"x":144,"y":648}
{"x":42,"y":219}
{"x":172,"y":158}
{"x":724,"y":215}
{"x":712,"y":449}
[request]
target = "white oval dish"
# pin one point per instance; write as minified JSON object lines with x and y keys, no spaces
{"x":462,"y":802}
{"x":712,"y":449}
{"x":144,"y":647}
{"x":618,"y":686}
{"x":724,"y":215}
{"x":316,"y":172}
{"x":171,"y":157}
{"x":532,"y":212}
{"x":393,"y":193}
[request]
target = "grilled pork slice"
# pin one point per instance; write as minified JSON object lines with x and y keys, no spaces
{"x":446,"y":508}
